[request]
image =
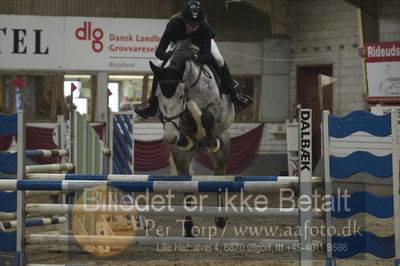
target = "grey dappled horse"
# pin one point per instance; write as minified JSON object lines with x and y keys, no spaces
{"x":195,"y":115}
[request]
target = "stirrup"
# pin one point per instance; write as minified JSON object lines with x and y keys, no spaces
{"x":241,"y":105}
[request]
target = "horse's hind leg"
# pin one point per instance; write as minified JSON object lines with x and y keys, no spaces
{"x":182,"y":162}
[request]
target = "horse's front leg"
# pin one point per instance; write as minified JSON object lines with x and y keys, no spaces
{"x":212,"y":143}
{"x":220,"y":161}
{"x":205,"y":121}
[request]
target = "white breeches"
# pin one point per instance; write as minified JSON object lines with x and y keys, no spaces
{"x":216,"y":54}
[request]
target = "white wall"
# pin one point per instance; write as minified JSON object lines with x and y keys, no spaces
{"x":242,"y":57}
{"x":326,"y":32}
{"x":270,"y":60}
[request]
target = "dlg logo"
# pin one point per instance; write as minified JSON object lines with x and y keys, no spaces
{"x":86,"y":33}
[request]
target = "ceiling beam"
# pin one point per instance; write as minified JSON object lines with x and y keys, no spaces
{"x":368,"y":6}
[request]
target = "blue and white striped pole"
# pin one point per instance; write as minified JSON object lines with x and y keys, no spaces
{"x":35,"y":222}
{"x":146,"y":178}
{"x":150,"y":186}
{"x":46,"y":153}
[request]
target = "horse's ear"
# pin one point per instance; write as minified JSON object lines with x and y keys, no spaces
{"x":154,"y":68}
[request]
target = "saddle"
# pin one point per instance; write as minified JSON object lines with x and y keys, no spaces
{"x":218,"y":77}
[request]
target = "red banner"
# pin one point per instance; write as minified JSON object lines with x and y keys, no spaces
{"x":382,"y":52}
{"x":151,"y":155}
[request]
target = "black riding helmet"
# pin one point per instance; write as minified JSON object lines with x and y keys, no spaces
{"x":193,"y":13}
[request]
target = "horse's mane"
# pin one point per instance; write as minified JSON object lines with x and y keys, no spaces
{"x":183,"y":52}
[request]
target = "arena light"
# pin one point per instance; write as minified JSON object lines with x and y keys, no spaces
{"x":125,"y":77}
{"x":77,"y":76}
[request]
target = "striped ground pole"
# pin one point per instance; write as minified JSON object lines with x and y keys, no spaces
{"x":35,"y":222}
{"x":46,"y":153}
{"x":233,"y":211}
{"x":150,"y":186}
{"x":49,"y":168}
{"x":147,"y":178}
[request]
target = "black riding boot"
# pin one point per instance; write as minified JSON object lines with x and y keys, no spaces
{"x":240,"y":101}
{"x":150,"y":107}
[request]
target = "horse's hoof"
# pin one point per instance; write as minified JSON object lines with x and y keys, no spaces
{"x":188,"y":225}
{"x":190,"y":144}
{"x":185,"y":143}
{"x":217,"y":146}
{"x":213,"y":145}
{"x":196,"y":113}
{"x":221,"y":222}
{"x":188,"y":234}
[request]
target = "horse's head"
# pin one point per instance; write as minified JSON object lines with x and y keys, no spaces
{"x":171,"y":97}
{"x":171,"y":83}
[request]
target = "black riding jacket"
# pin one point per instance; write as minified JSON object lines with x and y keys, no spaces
{"x":176,"y":31}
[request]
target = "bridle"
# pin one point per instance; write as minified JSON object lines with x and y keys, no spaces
{"x":166,"y":119}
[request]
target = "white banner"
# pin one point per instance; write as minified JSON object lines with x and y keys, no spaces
{"x":31,"y":42}
{"x":384,"y":81}
{"x":78,"y":43}
{"x":383,"y":71}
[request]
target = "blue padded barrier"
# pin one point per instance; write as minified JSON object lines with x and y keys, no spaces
{"x":8,"y":124}
{"x":8,"y":162}
{"x":362,"y":201}
{"x":8,"y":201}
{"x":8,"y":241}
{"x":340,"y":127}
{"x":364,"y":241}
{"x":360,"y":161}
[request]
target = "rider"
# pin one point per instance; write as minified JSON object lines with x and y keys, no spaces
{"x":191,"y":24}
